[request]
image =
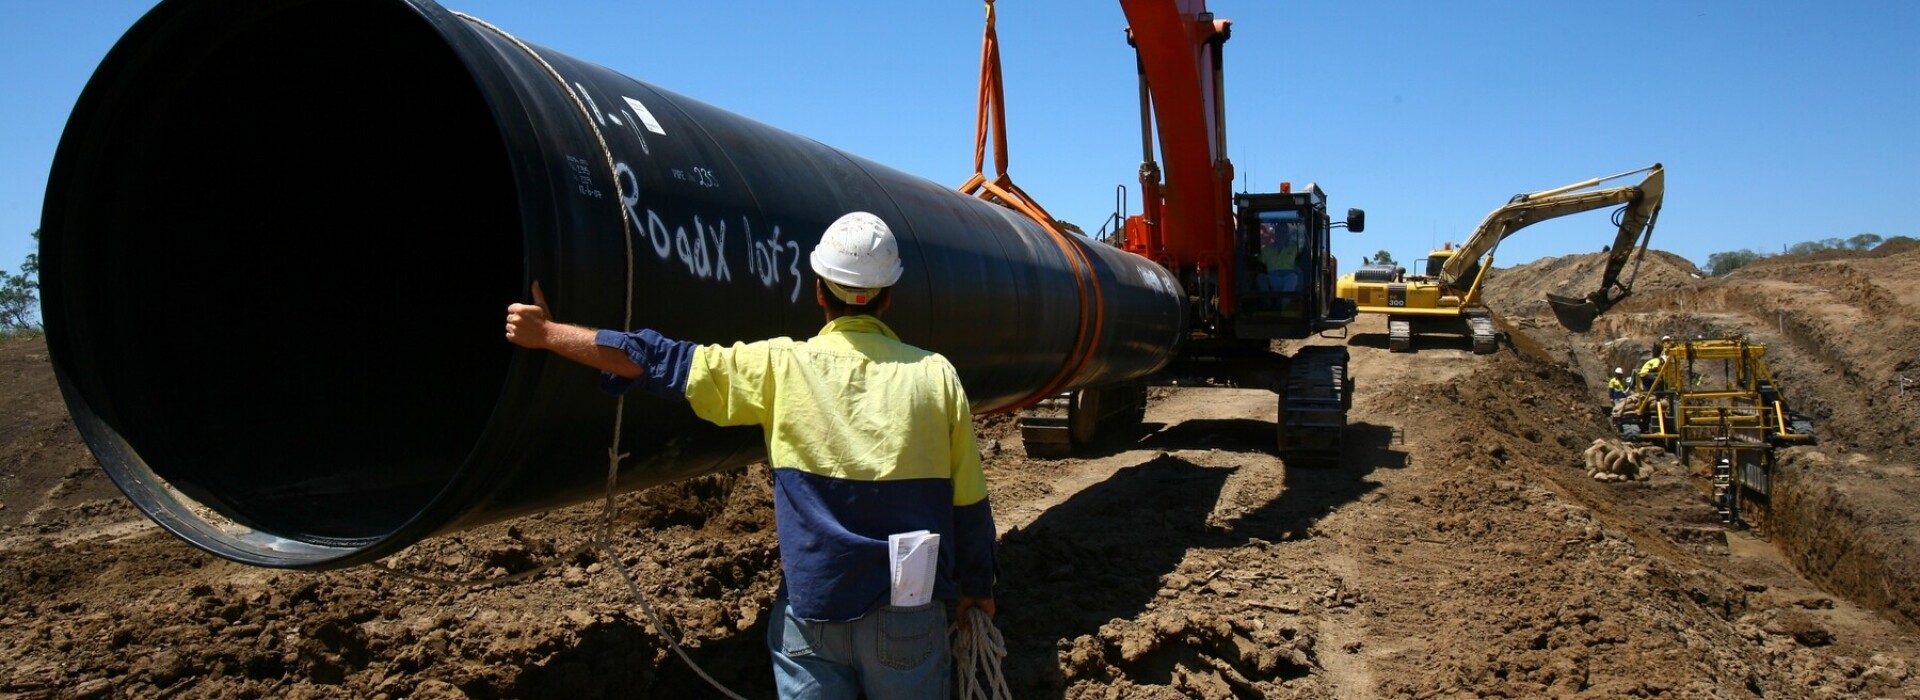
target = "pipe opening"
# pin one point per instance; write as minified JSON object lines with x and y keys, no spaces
{"x":283,"y":234}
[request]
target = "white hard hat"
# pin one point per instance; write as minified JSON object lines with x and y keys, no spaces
{"x":857,"y":255}
{"x":1619,"y":370}
{"x":1665,"y":338}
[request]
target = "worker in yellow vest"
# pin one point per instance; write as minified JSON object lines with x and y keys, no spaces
{"x":869,"y":440}
{"x":1649,"y":371}
{"x":1617,"y":386}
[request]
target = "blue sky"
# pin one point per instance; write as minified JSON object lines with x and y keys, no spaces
{"x":1778,"y":122}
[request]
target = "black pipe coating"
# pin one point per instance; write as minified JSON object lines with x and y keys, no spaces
{"x":280,"y":236}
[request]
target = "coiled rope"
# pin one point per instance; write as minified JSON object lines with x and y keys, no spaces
{"x":977,"y":651}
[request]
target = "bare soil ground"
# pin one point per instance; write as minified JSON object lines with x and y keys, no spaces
{"x":1460,"y":552}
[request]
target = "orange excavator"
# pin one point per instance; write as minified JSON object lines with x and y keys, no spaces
{"x":1255,"y":267}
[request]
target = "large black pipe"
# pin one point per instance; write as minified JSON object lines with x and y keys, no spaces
{"x":280,"y":236}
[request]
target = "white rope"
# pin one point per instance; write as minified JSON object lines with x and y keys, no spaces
{"x":671,"y":637}
{"x":977,"y":651}
{"x":614,"y":455}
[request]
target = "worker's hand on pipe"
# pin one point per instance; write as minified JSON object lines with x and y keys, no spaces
{"x":985,"y":605}
{"x":527,"y":323}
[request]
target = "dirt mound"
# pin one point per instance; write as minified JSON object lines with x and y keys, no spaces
{"x":1849,"y":543}
{"x":1899,"y":247}
{"x":1522,"y":290}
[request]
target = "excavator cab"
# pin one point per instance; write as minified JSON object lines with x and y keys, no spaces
{"x":1285,"y":268}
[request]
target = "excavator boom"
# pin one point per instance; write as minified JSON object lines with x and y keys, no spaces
{"x":1529,"y":209}
{"x":1637,"y":222}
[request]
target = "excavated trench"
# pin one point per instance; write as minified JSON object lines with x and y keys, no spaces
{"x":1836,"y":509}
{"x":1845,"y":544}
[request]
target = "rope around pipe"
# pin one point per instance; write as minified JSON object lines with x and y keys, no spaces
{"x":604,"y":539}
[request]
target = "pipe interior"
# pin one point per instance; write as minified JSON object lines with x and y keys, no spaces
{"x":292,"y":232}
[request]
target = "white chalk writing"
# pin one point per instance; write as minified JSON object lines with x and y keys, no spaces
{"x":592,"y":106}
{"x":699,"y":176}
{"x":764,"y":257}
{"x":632,"y":123}
{"x":702,"y":249}
{"x":1157,"y":280}
{"x":638,"y":137}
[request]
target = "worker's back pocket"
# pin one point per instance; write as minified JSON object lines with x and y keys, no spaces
{"x":908,"y":636}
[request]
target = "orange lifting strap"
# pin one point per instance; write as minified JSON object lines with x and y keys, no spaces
{"x":1001,"y":190}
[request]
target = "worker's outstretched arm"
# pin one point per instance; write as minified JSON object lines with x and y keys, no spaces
{"x":641,"y":359}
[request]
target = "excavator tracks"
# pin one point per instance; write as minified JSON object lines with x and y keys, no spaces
{"x":1314,"y":405}
{"x":1486,"y":339}
{"x":1479,"y":326}
{"x":1046,"y":427}
{"x":1059,"y":425}
{"x":1399,"y":335}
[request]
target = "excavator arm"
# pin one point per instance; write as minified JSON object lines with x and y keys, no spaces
{"x":1186,"y":218}
{"x":1643,"y":208}
{"x":1637,"y":221}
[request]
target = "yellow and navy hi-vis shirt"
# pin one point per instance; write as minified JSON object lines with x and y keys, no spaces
{"x":867,"y":437}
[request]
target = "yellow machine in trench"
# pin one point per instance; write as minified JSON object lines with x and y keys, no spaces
{"x":1714,"y":402}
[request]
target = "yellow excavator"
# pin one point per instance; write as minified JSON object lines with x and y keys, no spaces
{"x":1445,"y":298}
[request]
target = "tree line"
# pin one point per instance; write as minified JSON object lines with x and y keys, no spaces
{"x":1725,"y":262}
{"x":19,"y":293}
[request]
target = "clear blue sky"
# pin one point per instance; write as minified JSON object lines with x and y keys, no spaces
{"x":1778,"y":122}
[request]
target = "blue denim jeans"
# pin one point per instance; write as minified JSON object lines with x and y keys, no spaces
{"x":891,"y":653}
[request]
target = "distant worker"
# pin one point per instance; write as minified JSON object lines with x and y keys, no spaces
{"x":1649,"y":371}
{"x":867,"y":436}
{"x":1617,"y":386}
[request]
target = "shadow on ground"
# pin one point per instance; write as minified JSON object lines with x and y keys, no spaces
{"x":1101,"y":554}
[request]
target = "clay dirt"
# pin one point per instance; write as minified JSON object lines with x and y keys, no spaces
{"x":1460,"y":551}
